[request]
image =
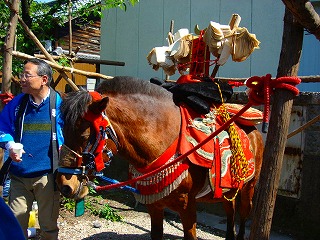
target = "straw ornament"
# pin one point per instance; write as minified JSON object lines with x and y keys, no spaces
{"x":221,"y":41}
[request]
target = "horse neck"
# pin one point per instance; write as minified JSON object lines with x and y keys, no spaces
{"x":145,"y":127}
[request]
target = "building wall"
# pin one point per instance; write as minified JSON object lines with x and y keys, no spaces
{"x":129,"y":36}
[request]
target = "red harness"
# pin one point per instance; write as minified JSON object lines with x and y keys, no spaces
{"x":100,"y":124}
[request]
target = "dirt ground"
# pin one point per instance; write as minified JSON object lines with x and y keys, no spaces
{"x":136,"y":223}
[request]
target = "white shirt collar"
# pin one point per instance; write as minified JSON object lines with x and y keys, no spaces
{"x":36,"y":104}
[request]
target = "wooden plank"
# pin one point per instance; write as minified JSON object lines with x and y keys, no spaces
{"x":180,"y":12}
{"x":243,"y":8}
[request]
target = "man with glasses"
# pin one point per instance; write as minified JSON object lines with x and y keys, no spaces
{"x":33,"y":118}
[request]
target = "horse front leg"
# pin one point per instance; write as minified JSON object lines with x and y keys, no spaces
{"x":229,"y":207}
{"x":156,"y":214}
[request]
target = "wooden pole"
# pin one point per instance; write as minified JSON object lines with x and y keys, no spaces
{"x":304,"y":126}
{"x":170,"y":39}
{"x":62,"y":68}
{"x":233,"y":23}
{"x":278,"y":130}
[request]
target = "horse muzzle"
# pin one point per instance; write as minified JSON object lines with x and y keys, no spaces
{"x":72,"y":186}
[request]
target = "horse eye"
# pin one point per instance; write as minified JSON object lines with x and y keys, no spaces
{"x":84,"y":137}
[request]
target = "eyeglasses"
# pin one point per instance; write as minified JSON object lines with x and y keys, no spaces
{"x":28,"y":76}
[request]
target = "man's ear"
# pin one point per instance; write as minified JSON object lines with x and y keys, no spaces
{"x":45,"y":79}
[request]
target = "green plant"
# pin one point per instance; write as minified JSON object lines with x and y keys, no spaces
{"x":122,"y":4}
{"x":94,"y":205}
{"x":108,"y":213}
{"x":68,"y":204}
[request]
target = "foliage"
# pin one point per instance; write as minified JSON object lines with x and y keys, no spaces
{"x":94,"y":206}
{"x":64,"y":61}
{"x":122,"y":4}
{"x":46,"y":17}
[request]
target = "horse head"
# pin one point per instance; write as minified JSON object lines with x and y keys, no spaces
{"x":89,"y":144}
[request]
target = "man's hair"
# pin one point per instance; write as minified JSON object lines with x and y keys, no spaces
{"x":43,"y":68}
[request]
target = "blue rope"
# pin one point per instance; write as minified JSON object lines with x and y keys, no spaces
{"x":113,"y":181}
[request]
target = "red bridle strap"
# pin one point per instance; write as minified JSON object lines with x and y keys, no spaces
{"x":99,"y":122}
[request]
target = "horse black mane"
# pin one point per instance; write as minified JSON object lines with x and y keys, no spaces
{"x":75,"y":103}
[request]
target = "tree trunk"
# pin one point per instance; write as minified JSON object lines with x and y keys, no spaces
{"x":7,"y":60}
{"x":8,"y":48}
{"x":278,"y":130}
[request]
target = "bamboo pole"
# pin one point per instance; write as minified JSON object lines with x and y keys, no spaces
{"x":62,"y":68}
{"x":70,"y":26}
{"x":304,"y":126}
{"x":90,"y":61}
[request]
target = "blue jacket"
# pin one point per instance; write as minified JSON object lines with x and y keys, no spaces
{"x":8,"y":118}
{"x":9,"y":226}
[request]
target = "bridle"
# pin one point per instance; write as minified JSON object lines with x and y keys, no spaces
{"x":90,"y":161}
{"x":88,"y":156}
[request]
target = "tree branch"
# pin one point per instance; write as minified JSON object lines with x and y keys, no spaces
{"x":305,"y":14}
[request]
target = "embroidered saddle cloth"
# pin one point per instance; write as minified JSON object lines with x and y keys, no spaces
{"x":217,"y":153}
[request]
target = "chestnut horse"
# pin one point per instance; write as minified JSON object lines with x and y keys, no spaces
{"x":143,"y":122}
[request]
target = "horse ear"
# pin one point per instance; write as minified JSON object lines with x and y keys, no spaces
{"x":99,"y":106}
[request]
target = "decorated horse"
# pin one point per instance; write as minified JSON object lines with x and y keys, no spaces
{"x":140,"y":121}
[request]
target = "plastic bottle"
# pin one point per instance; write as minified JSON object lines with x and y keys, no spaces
{"x":35,"y":209}
{"x":33,"y":220}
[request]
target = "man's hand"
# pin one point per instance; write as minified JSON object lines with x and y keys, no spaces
{"x":16,"y":151}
